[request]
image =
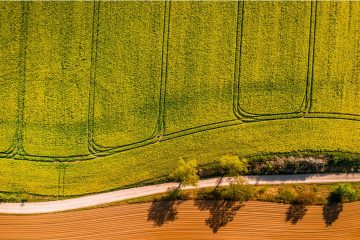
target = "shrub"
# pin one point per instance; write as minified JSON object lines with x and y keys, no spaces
{"x":285,"y":196}
{"x":304,"y":198}
{"x":209,"y":194}
{"x":233,"y":166}
{"x":343,"y":192}
{"x":263,"y":190}
{"x":238,"y":191}
{"x":175,"y":194}
{"x":10,"y":198}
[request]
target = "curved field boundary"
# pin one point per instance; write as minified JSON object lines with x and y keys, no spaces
{"x":330,"y":115}
{"x":120,"y":195}
{"x":305,"y":109}
{"x":199,"y":85}
{"x":343,"y":116}
{"x":153,"y":163}
{"x":247,"y":116}
{"x":93,"y":146}
{"x":158,"y":135}
{"x":16,"y":151}
{"x":153,"y":141}
{"x":162,"y":10}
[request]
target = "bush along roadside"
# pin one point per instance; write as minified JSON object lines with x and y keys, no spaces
{"x":293,"y":163}
{"x":294,"y":194}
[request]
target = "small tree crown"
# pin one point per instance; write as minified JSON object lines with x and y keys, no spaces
{"x":186,"y":172}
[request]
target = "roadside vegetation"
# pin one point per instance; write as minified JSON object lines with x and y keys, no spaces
{"x":223,"y":202}
{"x":239,"y":190}
{"x":188,"y":172}
{"x":287,"y":163}
{"x":26,"y":197}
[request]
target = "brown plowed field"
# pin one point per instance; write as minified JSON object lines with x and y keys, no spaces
{"x":254,"y":220}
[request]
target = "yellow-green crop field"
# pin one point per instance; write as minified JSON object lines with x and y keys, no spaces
{"x":274,"y":81}
{"x":97,"y":96}
{"x":127,"y":72}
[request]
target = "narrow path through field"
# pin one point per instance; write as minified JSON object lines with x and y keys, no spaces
{"x":109,"y":197}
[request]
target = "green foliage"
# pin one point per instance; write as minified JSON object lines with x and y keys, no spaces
{"x":11,"y":198}
{"x":263,"y":190}
{"x":209,"y":194}
{"x":285,"y":196}
{"x":186,"y":172}
{"x":175,"y":194}
{"x":304,"y":198}
{"x":343,"y":192}
{"x":238,"y":191}
{"x":233,"y":166}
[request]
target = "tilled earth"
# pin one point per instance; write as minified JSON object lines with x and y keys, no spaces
{"x":190,"y":220}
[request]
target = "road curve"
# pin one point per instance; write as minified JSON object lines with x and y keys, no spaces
{"x":119,"y":195}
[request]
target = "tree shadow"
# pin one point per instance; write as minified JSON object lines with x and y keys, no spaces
{"x":333,"y":208}
{"x":295,"y":213}
{"x":163,"y":211}
{"x":221,"y":212}
{"x":331,"y":212}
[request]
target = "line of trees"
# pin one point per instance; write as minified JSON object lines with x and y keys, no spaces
{"x":231,"y":166}
{"x":230,"y":199}
{"x":186,"y":173}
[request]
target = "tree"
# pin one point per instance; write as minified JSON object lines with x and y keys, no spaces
{"x":186,"y":173}
{"x":233,"y":166}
